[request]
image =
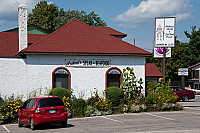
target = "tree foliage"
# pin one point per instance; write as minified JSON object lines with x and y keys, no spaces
{"x":183,"y":55}
{"x":91,"y":19}
{"x":44,"y":15}
{"x":194,"y":37}
{"x":50,"y":17}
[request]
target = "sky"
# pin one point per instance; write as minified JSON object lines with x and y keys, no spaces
{"x":136,"y":18}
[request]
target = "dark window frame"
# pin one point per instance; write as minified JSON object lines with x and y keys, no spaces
{"x":53,"y":77}
{"x":106,"y":76}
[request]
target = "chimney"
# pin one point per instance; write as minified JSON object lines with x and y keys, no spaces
{"x":22,"y":19}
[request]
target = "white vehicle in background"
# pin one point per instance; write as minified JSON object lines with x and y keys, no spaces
{"x":197,"y":92}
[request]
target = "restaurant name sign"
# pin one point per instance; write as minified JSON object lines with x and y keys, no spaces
{"x":165,"y":31}
{"x":88,"y":62}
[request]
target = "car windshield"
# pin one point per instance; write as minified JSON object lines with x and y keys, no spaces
{"x":50,"y":102}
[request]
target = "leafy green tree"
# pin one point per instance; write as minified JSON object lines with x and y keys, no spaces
{"x":50,"y":17}
{"x":194,"y":38}
{"x":183,"y":56}
{"x":91,"y":19}
{"x":44,"y":15}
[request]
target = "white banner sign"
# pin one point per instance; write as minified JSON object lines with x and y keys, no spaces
{"x":183,"y":71}
{"x":158,"y":52}
{"x":165,"y":32}
{"x":88,"y":62}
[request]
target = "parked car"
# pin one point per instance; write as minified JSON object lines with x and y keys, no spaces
{"x":183,"y":94}
{"x":41,"y":110}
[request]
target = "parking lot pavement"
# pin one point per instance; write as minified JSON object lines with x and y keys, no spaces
{"x":154,"y":122}
{"x":158,"y":122}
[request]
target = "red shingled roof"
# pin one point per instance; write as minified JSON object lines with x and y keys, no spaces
{"x":111,"y":31}
{"x":151,"y":70}
{"x":9,"y":42}
{"x":77,"y":37}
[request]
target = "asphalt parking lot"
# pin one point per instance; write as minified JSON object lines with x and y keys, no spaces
{"x":184,"y":121}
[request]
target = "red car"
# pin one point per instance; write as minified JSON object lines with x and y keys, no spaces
{"x":40,"y":110}
{"x":183,"y":94}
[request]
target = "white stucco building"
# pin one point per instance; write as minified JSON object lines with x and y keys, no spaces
{"x":75,"y":56}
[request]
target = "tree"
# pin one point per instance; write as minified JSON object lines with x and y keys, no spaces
{"x":194,"y":37}
{"x":44,"y":15}
{"x":50,"y":17}
{"x":91,"y":19}
{"x":183,"y":56}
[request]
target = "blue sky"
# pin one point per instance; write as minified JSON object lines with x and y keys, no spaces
{"x":133,"y":17}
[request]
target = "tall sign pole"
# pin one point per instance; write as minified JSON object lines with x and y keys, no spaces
{"x":164,"y":35}
{"x":164,"y":57}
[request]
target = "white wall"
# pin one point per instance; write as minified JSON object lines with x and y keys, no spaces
{"x":37,"y":73}
{"x":12,"y":76}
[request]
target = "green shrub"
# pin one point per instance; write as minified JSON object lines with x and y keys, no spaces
{"x":114,"y":94}
{"x":79,"y":106}
{"x":60,"y":92}
{"x":9,"y":109}
{"x":148,"y":101}
{"x":91,"y":101}
{"x":160,"y":95}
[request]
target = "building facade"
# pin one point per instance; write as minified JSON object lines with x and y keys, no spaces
{"x":76,"y":56}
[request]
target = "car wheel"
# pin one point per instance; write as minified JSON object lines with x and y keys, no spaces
{"x":64,"y":124}
{"x":19,"y":122}
{"x":32,"y":124}
{"x":185,"y":98}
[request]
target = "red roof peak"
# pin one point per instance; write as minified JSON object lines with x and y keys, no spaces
{"x":78,"y":37}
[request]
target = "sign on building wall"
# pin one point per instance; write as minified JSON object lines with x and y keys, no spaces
{"x":165,"y":32}
{"x":183,"y":71}
{"x":88,"y":62}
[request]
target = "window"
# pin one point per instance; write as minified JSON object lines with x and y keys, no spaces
{"x":197,"y":86}
{"x":29,"y":103}
{"x":195,"y":74}
{"x":177,"y":89}
{"x":61,"y":78}
{"x":25,"y":105}
{"x":113,"y":77}
{"x":50,"y":102}
{"x":32,"y":103}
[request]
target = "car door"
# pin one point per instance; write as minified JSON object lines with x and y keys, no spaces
{"x":180,"y":92}
{"x":23,"y":111}
{"x":30,"y":110}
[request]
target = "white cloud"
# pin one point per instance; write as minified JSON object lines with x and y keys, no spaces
{"x":49,"y":3}
{"x":183,"y":16}
{"x":9,"y":8}
{"x":9,"y":11}
{"x":146,"y":11}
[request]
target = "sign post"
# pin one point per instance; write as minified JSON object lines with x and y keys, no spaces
{"x":164,"y":35}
